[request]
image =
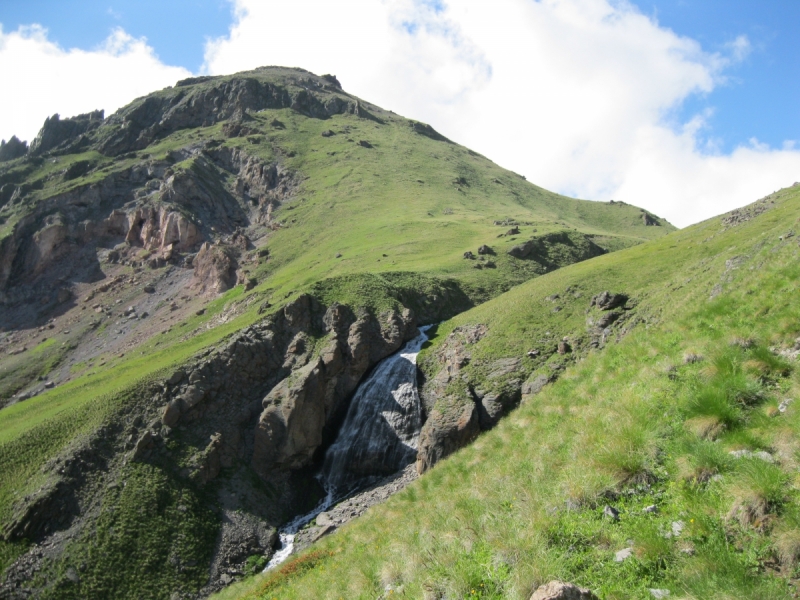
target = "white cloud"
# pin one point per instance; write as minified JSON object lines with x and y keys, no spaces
{"x":740,"y":47}
{"x":578,"y":95}
{"x":42,"y":79}
{"x":581,"y":96}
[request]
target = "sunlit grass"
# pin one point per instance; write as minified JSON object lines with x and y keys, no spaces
{"x":633,"y":426}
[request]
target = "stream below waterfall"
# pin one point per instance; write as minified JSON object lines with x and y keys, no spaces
{"x":379,"y":437}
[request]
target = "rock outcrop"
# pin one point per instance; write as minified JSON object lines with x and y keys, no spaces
{"x":65,"y":135}
{"x":201,"y":102}
{"x":155,"y":206}
{"x":214,"y":270}
{"x":302,"y":398}
{"x":428,"y":131}
{"x":453,"y":419}
{"x":608,"y":301}
{"x":11,"y":149}
{"x":447,"y":429}
{"x":302,"y":408}
{"x":462,"y":403}
{"x":558,"y":249}
{"x":557,"y":590}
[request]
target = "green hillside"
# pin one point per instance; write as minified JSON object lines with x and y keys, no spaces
{"x":685,"y":423}
{"x":217,"y":205}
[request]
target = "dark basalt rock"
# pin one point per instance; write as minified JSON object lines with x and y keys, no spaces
{"x":13,"y":148}
{"x":63,"y":134}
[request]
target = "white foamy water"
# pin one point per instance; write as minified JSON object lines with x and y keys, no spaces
{"x":379,"y":436}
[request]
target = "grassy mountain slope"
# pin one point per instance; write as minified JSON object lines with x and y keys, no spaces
{"x":689,"y":409}
{"x":357,"y":206}
{"x":407,"y":203}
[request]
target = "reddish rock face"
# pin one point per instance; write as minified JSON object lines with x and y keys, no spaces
{"x":161,"y":230}
{"x":214,"y":270}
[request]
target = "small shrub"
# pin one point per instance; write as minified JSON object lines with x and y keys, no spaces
{"x":255,"y":564}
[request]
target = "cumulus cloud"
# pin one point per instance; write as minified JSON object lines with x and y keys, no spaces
{"x":578,"y":95}
{"x":42,"y":78}
{"x":581,"y":96}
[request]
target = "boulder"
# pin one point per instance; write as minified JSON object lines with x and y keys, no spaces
{"x":64,"y":295}
{"x":607,"y":319}
{"x":171,"y":413}
{"x":623,"y":555}
{"x":608,"y":301}
{"x":557,"y":590}
{"x":522,"y":250}
{"x":495,"y":405}
{"x":145,"y":443}
{"x":484,"y":249}
{"x":214,"y":270}
{"x":193,"y":395}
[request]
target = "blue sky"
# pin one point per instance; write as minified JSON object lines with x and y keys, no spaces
{"x":685,"y":107}
{"x":761,"y":98}
{"x":176,"y":29}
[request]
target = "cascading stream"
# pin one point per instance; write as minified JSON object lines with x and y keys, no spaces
{"x":379,"y":435}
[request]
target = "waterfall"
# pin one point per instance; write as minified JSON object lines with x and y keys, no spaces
{"x":379,"y":435}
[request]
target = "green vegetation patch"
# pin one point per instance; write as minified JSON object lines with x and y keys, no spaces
{"x":687,"y":427}
{"x":153,"y":538}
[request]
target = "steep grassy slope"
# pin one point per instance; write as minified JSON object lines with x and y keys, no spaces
{"x":360,"y":207}
{"x":685,"y":423}
{"x":377,"y":195}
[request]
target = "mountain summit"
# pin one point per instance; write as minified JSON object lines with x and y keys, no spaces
{"x":194,"y":287}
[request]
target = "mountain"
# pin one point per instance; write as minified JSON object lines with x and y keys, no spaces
{"x":654,"y":452}
{"x":193,"y":288}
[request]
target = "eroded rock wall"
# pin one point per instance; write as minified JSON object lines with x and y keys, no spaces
{"x":153,"y":206}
